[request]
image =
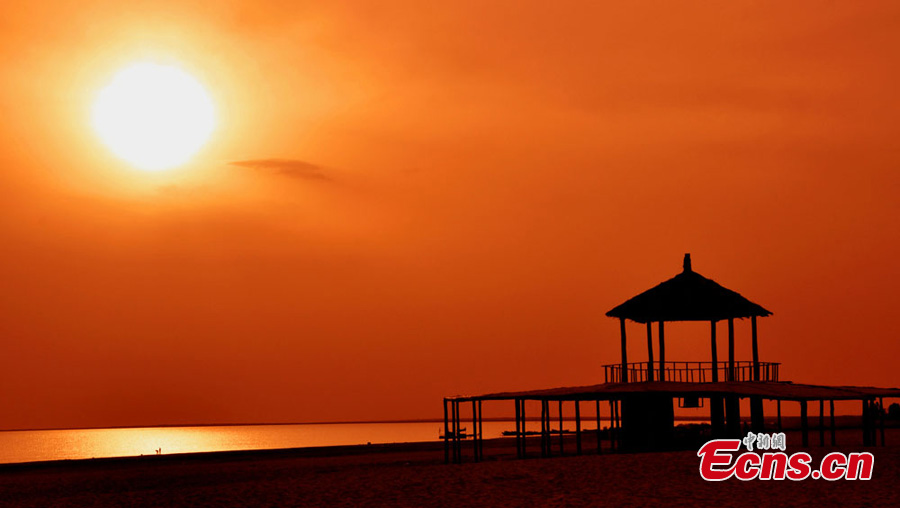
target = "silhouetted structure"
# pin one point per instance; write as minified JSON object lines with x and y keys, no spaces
{"x":641,"y":395}
{"x":688,"y":296}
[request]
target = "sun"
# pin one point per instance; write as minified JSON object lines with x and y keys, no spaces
{"x":153,"y":116}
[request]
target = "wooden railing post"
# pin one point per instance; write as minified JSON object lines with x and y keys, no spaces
{"x":649,"y":351}
{"x":715,"y":360}
{"x":755,"y":348}
{"x":662,"y":351}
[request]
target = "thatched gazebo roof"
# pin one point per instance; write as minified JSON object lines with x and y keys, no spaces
{"x":688,"y":296}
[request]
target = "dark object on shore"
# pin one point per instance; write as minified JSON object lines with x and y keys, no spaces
{"x":451,"y":435}
{"x":894,"y":411}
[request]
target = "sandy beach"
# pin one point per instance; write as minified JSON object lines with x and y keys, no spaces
{"x":415,"y":475}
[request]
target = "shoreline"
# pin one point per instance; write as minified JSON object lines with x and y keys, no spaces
{"x":502,"y":445}
{"x":259,"y":454}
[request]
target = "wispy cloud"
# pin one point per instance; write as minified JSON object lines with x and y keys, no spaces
{"x":288,"y":167}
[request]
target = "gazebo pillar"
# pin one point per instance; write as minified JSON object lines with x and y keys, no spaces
{"x":649,"y":351}
{"x":731,"y":372}
{"x":715,"y":359}
{"x":624,"y":353}
{"x":755,"y":348}
{"x":662,"y":352}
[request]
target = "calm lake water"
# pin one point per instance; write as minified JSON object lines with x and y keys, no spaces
{"x":37,"y":445}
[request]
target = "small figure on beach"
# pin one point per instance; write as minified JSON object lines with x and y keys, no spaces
{"x":159,"y":451}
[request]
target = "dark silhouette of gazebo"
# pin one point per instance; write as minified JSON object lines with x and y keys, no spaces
{"x":689,"y":296}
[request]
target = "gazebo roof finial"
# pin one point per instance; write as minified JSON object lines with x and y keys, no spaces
{"x":687,"y":262}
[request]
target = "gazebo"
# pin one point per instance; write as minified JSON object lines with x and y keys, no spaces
{"x":689,"y":296}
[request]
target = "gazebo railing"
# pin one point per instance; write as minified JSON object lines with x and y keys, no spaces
{"x":691,"y":372}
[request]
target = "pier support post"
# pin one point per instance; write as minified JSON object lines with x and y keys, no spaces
{"x":599,"y":435}
{"x":518,"y":430}
{"x":780,"y":427}
{"x":524,"y":427}
{"x":717,"y":416}
{"x":474,"y":431}
{"x":459,"y":436}
{"x":447,"y":434}
{"x":561,"y":451}
{"x":873,"y":422}
{"x":733,"y":415}
{"x":757,"y":419}
{"x":453,"y":432}
{"x":821,"y":423}
{"x":480,"y":433}
{"x":543,"y":431}
{"x":881,"y":415}
{"x":804,"y":423}
{"x":870,"y":422}
{"x":549,"y":435}
{"x":617,"y":405}
{"x":578,"y":427}
{"x":833,"y":436}
{"x":865,"y":422}
{"x":612,"y":416}
{"x":543,"y":451}
{"x":545,"y":428}
{"x":453,"y":429}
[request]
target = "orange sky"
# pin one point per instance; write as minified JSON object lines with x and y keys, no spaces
{"x":438,"y":200}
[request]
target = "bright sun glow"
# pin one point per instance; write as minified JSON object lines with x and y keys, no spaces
{"x":153,"y":116}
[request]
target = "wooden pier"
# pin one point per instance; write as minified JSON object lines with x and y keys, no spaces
{"x":619,"y":395}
